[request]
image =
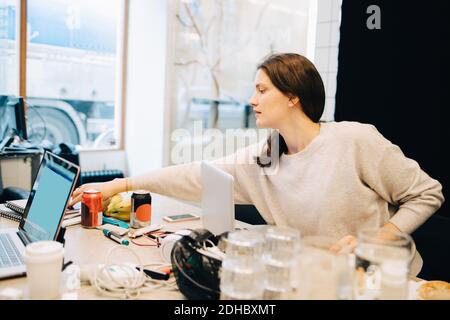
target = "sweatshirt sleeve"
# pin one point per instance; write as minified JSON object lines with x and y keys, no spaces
{"x":184,"y":181}
{"x":401,"y":182}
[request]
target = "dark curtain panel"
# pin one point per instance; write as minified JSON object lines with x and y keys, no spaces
{"x":398,"y":78}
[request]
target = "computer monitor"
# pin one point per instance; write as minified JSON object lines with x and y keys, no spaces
{"x":13,"y":119}
{"x":5,"y":118}
{"x":20,"y":122}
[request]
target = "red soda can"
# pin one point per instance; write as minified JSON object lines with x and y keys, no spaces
{"x":141,"y":209}
{"x":91,"y":209}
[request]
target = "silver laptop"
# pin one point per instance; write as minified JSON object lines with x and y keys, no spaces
{"x":43,"y":214}
{"x":217,"y":199}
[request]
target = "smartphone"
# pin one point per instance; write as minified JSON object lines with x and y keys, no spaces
{"x":181,"y":217}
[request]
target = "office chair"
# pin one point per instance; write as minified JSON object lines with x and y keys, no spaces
{"x":13,"y":193}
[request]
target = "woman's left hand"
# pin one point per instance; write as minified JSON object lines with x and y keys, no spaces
{"x":346,"y":245}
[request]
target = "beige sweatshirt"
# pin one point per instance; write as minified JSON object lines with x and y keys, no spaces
{"x":347,"y":178}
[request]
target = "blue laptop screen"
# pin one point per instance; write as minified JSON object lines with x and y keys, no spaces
{"x":51,"y":190}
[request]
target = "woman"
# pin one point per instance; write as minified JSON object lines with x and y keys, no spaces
{"x":326,"y":179}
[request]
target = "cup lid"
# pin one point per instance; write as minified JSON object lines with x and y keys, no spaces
{"x":40,"y":248}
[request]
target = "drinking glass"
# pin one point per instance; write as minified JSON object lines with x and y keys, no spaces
{"x":241,"y":278}
{"x":320,"y":273}
{"x":281,"y":244}
{"x":383,"y":260}
{"x":242,"y":271}
{"x":245,"y":243}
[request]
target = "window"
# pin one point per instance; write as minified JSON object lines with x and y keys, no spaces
{"x":72,"y":61}
{"x":8,"y":56}
{"x":217,"y":48}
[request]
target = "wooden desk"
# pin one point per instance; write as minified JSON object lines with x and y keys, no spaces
{"x":89,"y":246}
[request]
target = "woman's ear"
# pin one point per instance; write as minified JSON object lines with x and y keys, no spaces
{"x":293,"y":101}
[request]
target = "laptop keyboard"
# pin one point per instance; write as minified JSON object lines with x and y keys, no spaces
{"x":9,"y":255}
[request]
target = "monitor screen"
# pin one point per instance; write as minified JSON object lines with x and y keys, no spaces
{"x":8,"y":122}
{"x":48,"y":198}
{"x":13,"y":118}
{"x":21,"y":122}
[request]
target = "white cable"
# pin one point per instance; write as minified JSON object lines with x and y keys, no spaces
{"x":131,"y":282}
{"x":167,"y":244}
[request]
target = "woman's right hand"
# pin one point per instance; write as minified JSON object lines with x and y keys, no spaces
{"x":108,"y":189}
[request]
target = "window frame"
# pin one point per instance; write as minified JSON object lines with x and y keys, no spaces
{"x":121,"y":67}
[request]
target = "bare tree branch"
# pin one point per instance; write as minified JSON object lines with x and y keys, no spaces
{"x":194,"y":25}
{"x":215,"y":65}
{"x":184,"y":24}
{"x":249,"y":39}
{"x":209,"y":24}
{"x":186,"y":63}
{"x":208,"y":50}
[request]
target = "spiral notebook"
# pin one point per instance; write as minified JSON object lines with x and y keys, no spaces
{"x":14,"y":210}
{"x":7,"y":213}
{"x":17,"y":205}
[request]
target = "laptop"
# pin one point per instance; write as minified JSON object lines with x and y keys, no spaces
{"x":43,"y":213}
{"x":217,"y":199}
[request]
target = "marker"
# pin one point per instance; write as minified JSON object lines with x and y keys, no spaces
{"x":115,"y":237}
{"x":115,"y":222}
{"x":157,"y":275}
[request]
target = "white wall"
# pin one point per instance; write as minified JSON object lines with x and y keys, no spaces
{"x":327,"y":49}
{"x":145,"y":98}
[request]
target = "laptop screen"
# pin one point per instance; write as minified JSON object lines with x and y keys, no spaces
{"x":48,"y":198}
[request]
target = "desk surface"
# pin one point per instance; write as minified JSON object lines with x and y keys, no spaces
{"x":89,"y":246}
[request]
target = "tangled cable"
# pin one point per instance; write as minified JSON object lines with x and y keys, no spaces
{"x":127,"y":281}
{"x":34,"y":108}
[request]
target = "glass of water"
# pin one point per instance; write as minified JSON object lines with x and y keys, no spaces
{"x":241,"y":278}
{"x":382,"y":264}
{"x":245,"y":243}
{"x":242,"y":271}
{"x":320,"y":273}
{"x":281,"y":244}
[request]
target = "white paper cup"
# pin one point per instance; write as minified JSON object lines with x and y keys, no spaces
{"x":44,"y":262}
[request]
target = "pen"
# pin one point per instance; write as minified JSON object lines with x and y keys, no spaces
{"x":115,"y":237}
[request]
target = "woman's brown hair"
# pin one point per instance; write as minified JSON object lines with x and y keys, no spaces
{"x":295,"y":76}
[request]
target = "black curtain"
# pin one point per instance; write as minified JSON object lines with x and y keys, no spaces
{"x":398,"y":78}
